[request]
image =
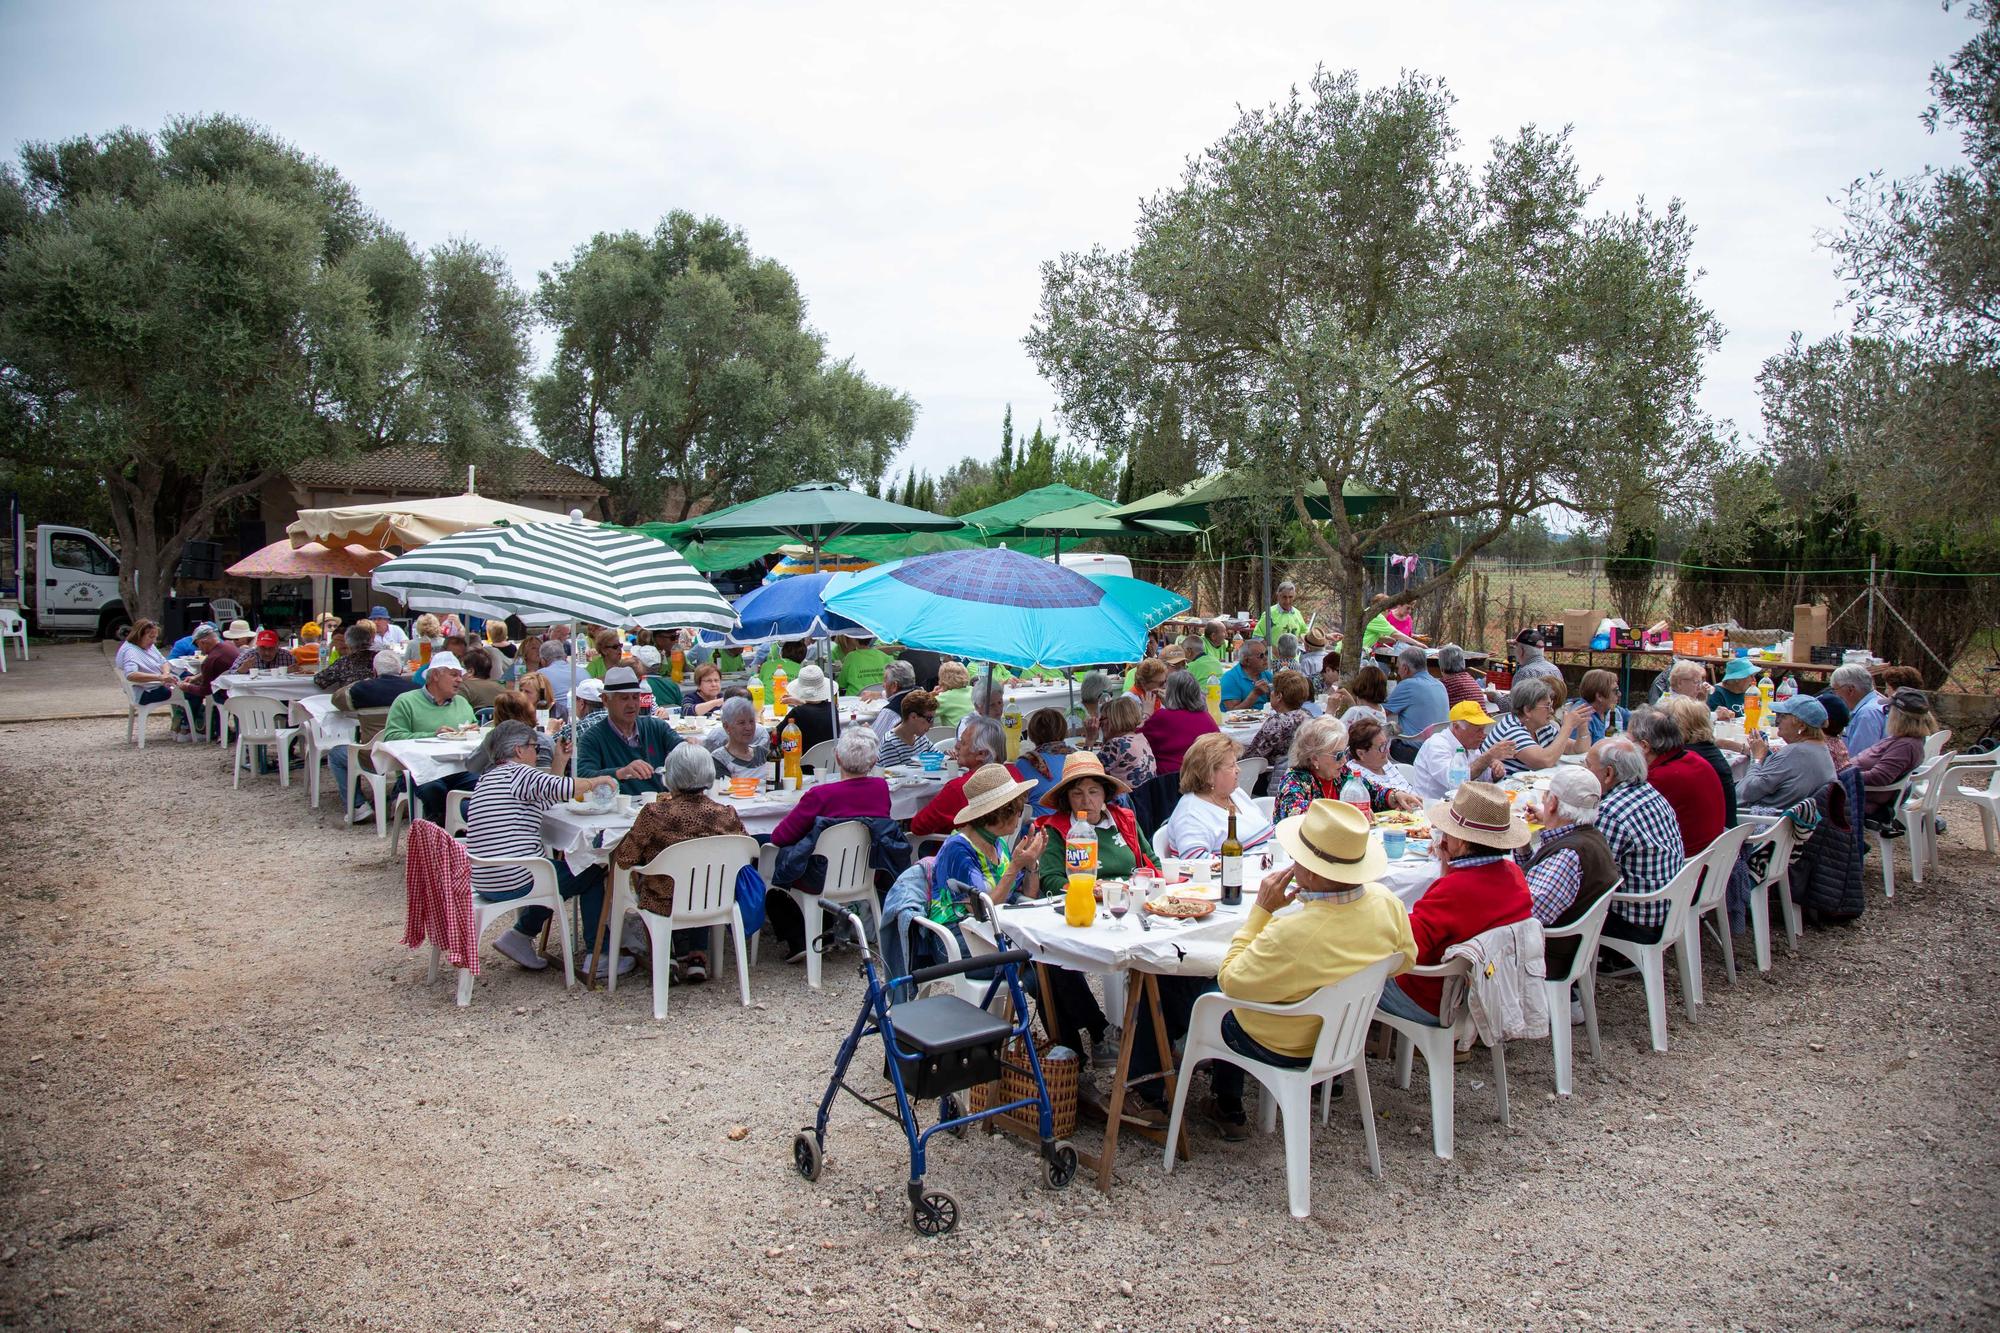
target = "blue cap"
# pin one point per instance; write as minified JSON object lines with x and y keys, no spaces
{"x":1738,"y":668}
{"x":1803,"y":707}
{"x":378,"y":613}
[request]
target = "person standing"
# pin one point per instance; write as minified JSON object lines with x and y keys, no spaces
{"x":1283,"y":618}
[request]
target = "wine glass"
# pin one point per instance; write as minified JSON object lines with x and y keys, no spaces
{"x":1118,"y":899}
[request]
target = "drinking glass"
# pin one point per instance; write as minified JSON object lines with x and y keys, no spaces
{"x":1394,"y":843}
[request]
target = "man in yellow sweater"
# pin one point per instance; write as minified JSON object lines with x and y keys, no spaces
{"x":1346,"y":922}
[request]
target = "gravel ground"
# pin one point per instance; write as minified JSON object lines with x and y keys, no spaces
{"x":230,"y":1101}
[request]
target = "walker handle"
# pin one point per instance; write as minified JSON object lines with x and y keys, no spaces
{"x":976,"y":963}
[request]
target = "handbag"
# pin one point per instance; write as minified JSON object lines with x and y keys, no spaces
{"x":750,"y":891}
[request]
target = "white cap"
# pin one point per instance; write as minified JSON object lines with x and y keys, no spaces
{"x":445,"y":662}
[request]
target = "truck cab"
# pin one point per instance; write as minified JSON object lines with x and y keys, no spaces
{"x":74,"y":584}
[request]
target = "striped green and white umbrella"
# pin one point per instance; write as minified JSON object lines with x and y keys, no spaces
{"x":573,"y":570}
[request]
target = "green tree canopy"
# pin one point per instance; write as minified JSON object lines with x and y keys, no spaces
{"x":1333,"y":293}
{"x":184,"y":316}
{"x":685,"y":375}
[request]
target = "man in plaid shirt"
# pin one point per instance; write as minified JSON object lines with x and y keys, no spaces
{"x":1642,"y":832}
{"x":355,"y":663}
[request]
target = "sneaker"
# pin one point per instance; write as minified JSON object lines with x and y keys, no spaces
{"x":362,"y":815}
{"x":1230,"y":1121}
{"x":625,"y":964}
{"x":1576,"y":1013}
{"x":520,"y":949}
{"x":695,"y":967}
{"x":1104,"y":1049}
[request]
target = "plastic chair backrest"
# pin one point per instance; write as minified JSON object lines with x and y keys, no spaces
{"x":1344,"y":1010}
{"x":1584,"y":930}
{"x":1409,"y":772}
{"x":1935,"y":742}
{"x":255,"y":714}
{"x":1782,"y":836}
{"x":225,"y":609}
{"x":943,"y":737}
{"x":820,"y":758}
{"x":1928,"y":786}
{"x":1247,"y":773}
{"x":846,"y":847}
{"x":704,"y":870}
{"x":1718,"y":859}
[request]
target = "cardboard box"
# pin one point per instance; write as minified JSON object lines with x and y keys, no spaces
{"x":1579,"y":627}
{"x":1808,"y":629}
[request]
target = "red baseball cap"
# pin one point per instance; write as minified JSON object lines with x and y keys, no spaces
{"x":267,"y":638}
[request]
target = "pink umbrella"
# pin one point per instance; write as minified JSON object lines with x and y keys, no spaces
{"x":281,"y":560}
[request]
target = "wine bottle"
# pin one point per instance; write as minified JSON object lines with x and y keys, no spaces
{"x":1232,"y":865}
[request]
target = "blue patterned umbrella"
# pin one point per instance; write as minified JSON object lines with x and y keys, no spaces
{"x":791,"y":608}
{"x":991,"y":605}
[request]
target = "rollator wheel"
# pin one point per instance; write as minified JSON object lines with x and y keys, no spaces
{"x":936,"y":1214}
{"x":949,"y":1109}
{"x":1059,"y":1165}
{"x":807,"y":1158}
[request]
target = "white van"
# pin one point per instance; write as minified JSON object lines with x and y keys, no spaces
{"x":1094,"y":562}
{"x":73,"y":583}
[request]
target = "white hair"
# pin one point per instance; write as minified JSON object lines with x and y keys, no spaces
{"x":1414,"y":658}
{"x":897,"y":677}
{"x":856,"y":751}
{"x":1288,"y":585}
{"x":388,"y":662}
{"x":1451,"y":659}
{"x":1623,"y":759}
{"x":985,"y":691}
{"x":736,"y":706}
{"x":1320,"y":735}
{"x":689,"y":768}
{"x":1288,"y":647}
{"x":984,"y":734}
{"x":1577,"y":793}
{"x":1854,"y":676}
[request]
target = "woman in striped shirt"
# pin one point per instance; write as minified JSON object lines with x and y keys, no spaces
{"x":911,"y":736}
{"x":504,"y":819}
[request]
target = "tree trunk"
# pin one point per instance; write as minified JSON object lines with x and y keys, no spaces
{"x":1353,"y":609}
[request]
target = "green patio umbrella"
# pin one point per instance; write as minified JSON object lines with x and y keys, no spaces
{"x":813,"y":514}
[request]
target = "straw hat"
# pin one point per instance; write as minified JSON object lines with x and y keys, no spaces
{"x":1331,"y":840}
{"x":809,"y":686}
{"x":239,"y":630}
{"x":1316,"y":637}
{"x":1479,"y":812}
{"x":990,"y":787}
{"x":1076,"y":767}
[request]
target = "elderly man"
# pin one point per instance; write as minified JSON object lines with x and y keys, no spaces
{"x":980,"y":741}
{"x":1284,"y":618}
{"x":1215,"y":641}
{"x":1569,"y":866}
{"x":1682,"y":776}
{"x":1417,"y":703}
{"x":1248,"y":683}
{"x":1867,"y":714}
{"x":898,"y":679}
{"x":1285,"y":654}
{"x":1347,"y":922}
{"x":389,"y":635}
{"x":628,"y":745}
{"x":355,"y":663}
{"x":430,"y":710}
{"x":562,"y":672}
{"x":185,"y":645}
{"x":1529,"y":660}
{"x":1462,"y":741}
{"x":218,"y":658}
{"x":264,"y":654}
{"x":369,"y":698}
{"x":989,"y":697}
{"x":1639,"y":827}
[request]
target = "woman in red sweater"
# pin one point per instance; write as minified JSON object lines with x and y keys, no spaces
{"x":1481,"y":888}
{"x":854,"y":796}
{"x":1686,"y":779}
{"x":1180,"y":720}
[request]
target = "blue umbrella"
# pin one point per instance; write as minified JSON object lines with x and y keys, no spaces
{"x":1146,"y":602}
{"x":791,"y":608}
{"x":991,"y":605}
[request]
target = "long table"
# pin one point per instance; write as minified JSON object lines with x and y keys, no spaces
{"x":1620,"y":659}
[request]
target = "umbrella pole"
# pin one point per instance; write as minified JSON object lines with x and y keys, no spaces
{"x":1266,"y":525}
{"x":575,"y":750}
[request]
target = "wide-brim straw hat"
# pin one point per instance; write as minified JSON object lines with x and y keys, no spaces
{"x":1332,"y":840}
{"x":1316,"y":637}
{"x":1076,"y":767}
{"x":990,"y":787}
{"x":809,"y":686}
{"x":239,"y":629}
{"x":1480,"y":812}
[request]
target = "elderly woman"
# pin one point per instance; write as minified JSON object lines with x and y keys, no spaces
{"x":954,"y":694}
{"x":1698,"y":736}
{"x":1689,"y":680}
{"x":1540,"y":738}
{"x":1048,"y":729}
{"x":607,"y":651}
{"x":1124,"y":751}
{"x":1890,"y":759}
{"x":504,"y":819}
{"x":1368,"y":759}
{"x":739,"y":746}
{"x":910,"y":736}
{"x":1096,"y":690}
{"x":854,"y":795}
{"x":1460,"y":685}
{"x":1782,"y":777}
{"x":1599,"y":689}
{"x":683,"y":811}
{"x":480,"y":685}
{"x":1370,"y":688}
{"x":1209,"y":795}
{"x":1285,"y":654}
{"x":141,"y":662}
{"x":1314,"y":769}
{"x":513,"y":706}
{"x":1180,"y":720}
{"x":984,"y":854}
{"x":707,"y":696}
{"x":1290,"y":692}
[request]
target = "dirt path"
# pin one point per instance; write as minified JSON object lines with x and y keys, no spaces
{"x":230,"y":1101}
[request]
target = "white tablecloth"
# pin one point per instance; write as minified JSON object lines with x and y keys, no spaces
{"x":430,"y":759}
{"x":329,"y":725}
{"x":286,"y":686}
{"x":1739,"y":762}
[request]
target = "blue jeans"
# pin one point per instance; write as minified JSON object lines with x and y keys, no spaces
{"x":1395,"y":1001}
{"x":1241,"y":1042}
{"x":589,"y":885}
{"x":430,"y":796}
{"x":157,"y":694}
{"x":336,"y":762}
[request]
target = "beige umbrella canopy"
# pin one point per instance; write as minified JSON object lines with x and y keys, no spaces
{"x":408,"y":523}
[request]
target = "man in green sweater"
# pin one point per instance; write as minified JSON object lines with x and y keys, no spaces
{"x":627,"y":745}
{"x":420,"y":713}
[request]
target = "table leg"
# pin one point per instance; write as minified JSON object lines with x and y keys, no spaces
{"x":1114,"y":1110}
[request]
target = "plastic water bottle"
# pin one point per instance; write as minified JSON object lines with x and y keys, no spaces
{"x":1355,"y":792}
{"x":1459,"y":770}
{"x":1788,"y":688}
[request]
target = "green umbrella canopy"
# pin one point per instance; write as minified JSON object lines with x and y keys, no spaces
{"x":1094,"y":520}
{"x":709,"y":557}
{"x":881,"y":547}
{"x":1010,"y":517}
{"x":1190,"y":503}
{"x":814,"y":513}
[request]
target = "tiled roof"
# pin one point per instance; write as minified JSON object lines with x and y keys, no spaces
{"x":401,"y":469}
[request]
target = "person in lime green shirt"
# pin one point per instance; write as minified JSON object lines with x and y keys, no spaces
{"x":791,"y":656}
{"x":954,"y":694}
{"x":862,"y":667}
{"x":1196,"y":661}
{"x":1284,"y":618}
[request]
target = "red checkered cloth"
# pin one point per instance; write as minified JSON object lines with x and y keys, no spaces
{"x":437,"y":877}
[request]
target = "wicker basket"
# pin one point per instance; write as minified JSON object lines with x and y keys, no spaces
{"x":1060,"y":1075}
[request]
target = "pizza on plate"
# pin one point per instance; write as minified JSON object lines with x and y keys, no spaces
{"x":1187,"y":909}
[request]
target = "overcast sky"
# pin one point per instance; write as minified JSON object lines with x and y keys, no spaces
{"x":914,"y":165}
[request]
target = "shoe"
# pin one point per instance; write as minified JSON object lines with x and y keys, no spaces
{"x":362,"y":814}
{"x":1229,"y":1121}
{"x":1576,"y":1013}
{"x":797,"y":956}
{"x":1147,"y":1114}
{"x":520,"y":949}
{"x":1104,"y":1049}
{"x":625,"y":964}
{"x":695,"y":967}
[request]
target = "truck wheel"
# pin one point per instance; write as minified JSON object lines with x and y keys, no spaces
{"x":114,"y":624}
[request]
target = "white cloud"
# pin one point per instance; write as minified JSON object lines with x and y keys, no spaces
{"x":914,"y":164}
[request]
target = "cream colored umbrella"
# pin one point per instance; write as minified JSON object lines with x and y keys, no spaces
{"x":408,"y":523}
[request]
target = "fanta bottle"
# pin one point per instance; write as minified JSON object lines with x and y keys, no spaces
{"x":794,"y":754}
{"x":778,"y":683}
{"x":677,"y":666}
{"x":1080,"y":886}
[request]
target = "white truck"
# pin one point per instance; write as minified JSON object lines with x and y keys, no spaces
{"x":70,"y":584}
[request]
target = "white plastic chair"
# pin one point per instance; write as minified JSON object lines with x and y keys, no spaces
{"x":1678,"y":893}
{"x":136,"y":713}
{"x":454,"y":811}
{"x":1782,"y":837}
{"x":1931,"y":801}
{"x":1268,"y":804}
{"x":257,"y":726}
{"x":849,"y":879}
{"x":704,"y":872}
{"x":943,"y":737}
{"x":1985,"y":800}
{"x":1911,"y":802}
{"x":391,"y":807}
{"x":1583,"y":975}
{"x":223,"y":610}
{"x":13,"y":625}
{"x":322,"y":737}
{"x":964,"y":987}
{"x":1935,"y":742}
{"x":819,"y":759}
{"x":1409,"y":772}
{"x":1344,"y":1010}
{"x":1247,"y":773}
{"x":1711,"y":905}
{"x":543,"y":893}
{"x":1440,"y":1048}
